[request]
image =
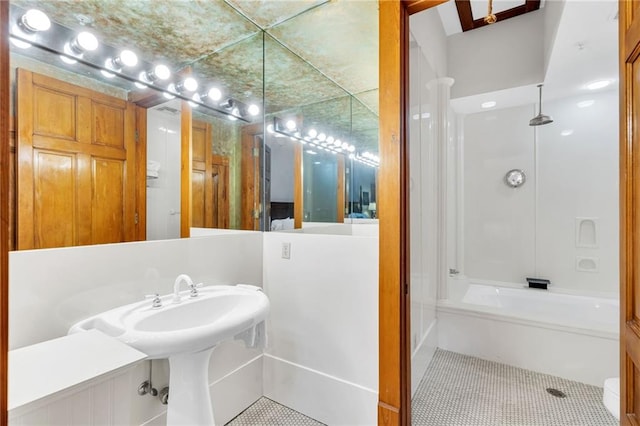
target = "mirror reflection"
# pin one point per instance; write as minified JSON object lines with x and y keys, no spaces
{"x":163,"y":137}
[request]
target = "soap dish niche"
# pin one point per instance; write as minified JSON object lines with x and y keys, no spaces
{"x":587,"y":232}
{"x":587,"y":264}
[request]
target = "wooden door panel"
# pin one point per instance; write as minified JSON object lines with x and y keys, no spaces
{"x":220,"y":202}
{"x":198,"y":179}
{"x":108,"y":125}
{"x":199,"y":142}
{"x":201,"y":179}
{"x":54,"y":113}
{"x":55,"y":192}
{"x":629,"y":213}
{"x":107,"y":201}
{"x":97,"y":134}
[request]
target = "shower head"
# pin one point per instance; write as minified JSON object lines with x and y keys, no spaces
{"x":541,"y":118}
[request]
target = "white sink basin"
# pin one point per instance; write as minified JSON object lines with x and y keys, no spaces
{"x":218,"y":313}
{"x":186,"y":333}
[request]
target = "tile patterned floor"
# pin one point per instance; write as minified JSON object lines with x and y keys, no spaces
{"x":265,"y":412}
{"x":466,"y":391}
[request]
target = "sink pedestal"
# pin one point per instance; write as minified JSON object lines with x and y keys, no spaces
{"x":189,"y":399}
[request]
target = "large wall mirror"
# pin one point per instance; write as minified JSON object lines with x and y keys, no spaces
{"x":114,"y":141}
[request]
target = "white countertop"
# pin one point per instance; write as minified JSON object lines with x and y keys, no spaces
{"x":43,"y":369}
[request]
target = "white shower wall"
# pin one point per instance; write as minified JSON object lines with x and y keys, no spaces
{"x":511,"y":234}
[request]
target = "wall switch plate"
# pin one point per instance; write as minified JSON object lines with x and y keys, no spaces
{"x":286,"y":250}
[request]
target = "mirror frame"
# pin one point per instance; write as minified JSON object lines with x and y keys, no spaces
{"x":4,"y":209}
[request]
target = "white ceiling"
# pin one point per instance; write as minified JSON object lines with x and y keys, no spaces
{"x":585,"y":49}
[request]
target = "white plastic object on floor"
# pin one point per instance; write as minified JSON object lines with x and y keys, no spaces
{"x":611,"y":396}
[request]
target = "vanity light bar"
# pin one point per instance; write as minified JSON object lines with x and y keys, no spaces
{"x":321,"y":141}
{"x":82,"y":48}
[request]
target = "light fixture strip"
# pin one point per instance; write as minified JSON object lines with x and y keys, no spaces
{"x":313,"y":142}
{"x":17,"y":12}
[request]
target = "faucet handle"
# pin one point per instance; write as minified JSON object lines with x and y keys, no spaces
{"x":157,"y":302}
{"x":194,"y":289}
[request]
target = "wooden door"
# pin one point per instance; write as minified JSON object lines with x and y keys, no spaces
{"x":220,"y":177}
{"x":209,"y":180}
{"x":201,"y":176}
{"x":629,"y":22}
{"x":251,"y":203}
{"x":394,"y":399}
{"x":76,"y":165}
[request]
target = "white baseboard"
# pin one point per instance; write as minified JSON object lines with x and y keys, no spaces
{"x":320,"y":396}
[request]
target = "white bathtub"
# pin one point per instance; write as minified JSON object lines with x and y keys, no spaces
{"x":571,"y":336}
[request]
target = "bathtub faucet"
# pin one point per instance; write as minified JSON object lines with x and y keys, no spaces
{"x":176,"y":287}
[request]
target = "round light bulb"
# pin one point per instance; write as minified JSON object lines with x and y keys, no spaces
{"x":36,"y":20}
{"x":253,"y":109}
{"x":231,"y":117}
{"x":162,"y":72}
{"x":291,"y":125}
{"x":68,"y":51}
{"x":19,"y":43}
{"x":322,"y":137}
{"x":345,"y":145}
{"x":171,"y":88}
{"x":87,"y":41}
{"x":215,"y":94}
{"x":312,"y":133}
{"x":351,"y":148}
{"x":337,"y":142}
{"x":330,"y":139}
{"x":142,"y":77}
{"x":108,"y":63}
{"x":128,"y":58}
{"x":190,"y":84}
{"x":270,"y":128}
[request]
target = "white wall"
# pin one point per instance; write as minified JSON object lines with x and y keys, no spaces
{"x":163,"y":193}
{"x":498,"y":220}
{"x":427,"y":30}
{"x":322,"y":356}
{"x":511,"y":234}
{"x":507,"y":54}
{"x":578,"y":178}
{"x":73,"y":283}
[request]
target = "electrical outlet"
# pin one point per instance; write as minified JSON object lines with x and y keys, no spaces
{"x":286,"y":250}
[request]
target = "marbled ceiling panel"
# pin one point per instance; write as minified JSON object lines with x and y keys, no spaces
{"x":290,"y":81}
{"x":236,"y":70}
{"x":179,"y":32}
{"x":339,"y":38}
{"x":269,"y":13}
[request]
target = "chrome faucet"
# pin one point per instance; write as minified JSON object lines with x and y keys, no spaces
{"x":176,"y":287}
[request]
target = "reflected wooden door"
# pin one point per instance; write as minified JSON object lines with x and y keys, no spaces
{"x":220,"y":177}
{"x":629,"y":21}
{"x":76,"y":165}
{"x":251,"y":167}
{"x":201,"y":181}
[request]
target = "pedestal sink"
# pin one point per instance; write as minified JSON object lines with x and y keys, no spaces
{"x":186,"y":333}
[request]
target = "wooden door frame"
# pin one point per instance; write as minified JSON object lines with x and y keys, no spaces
{"x":394,"y":403}
{"x":629,"y":32}
{"x":4,"y":208}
